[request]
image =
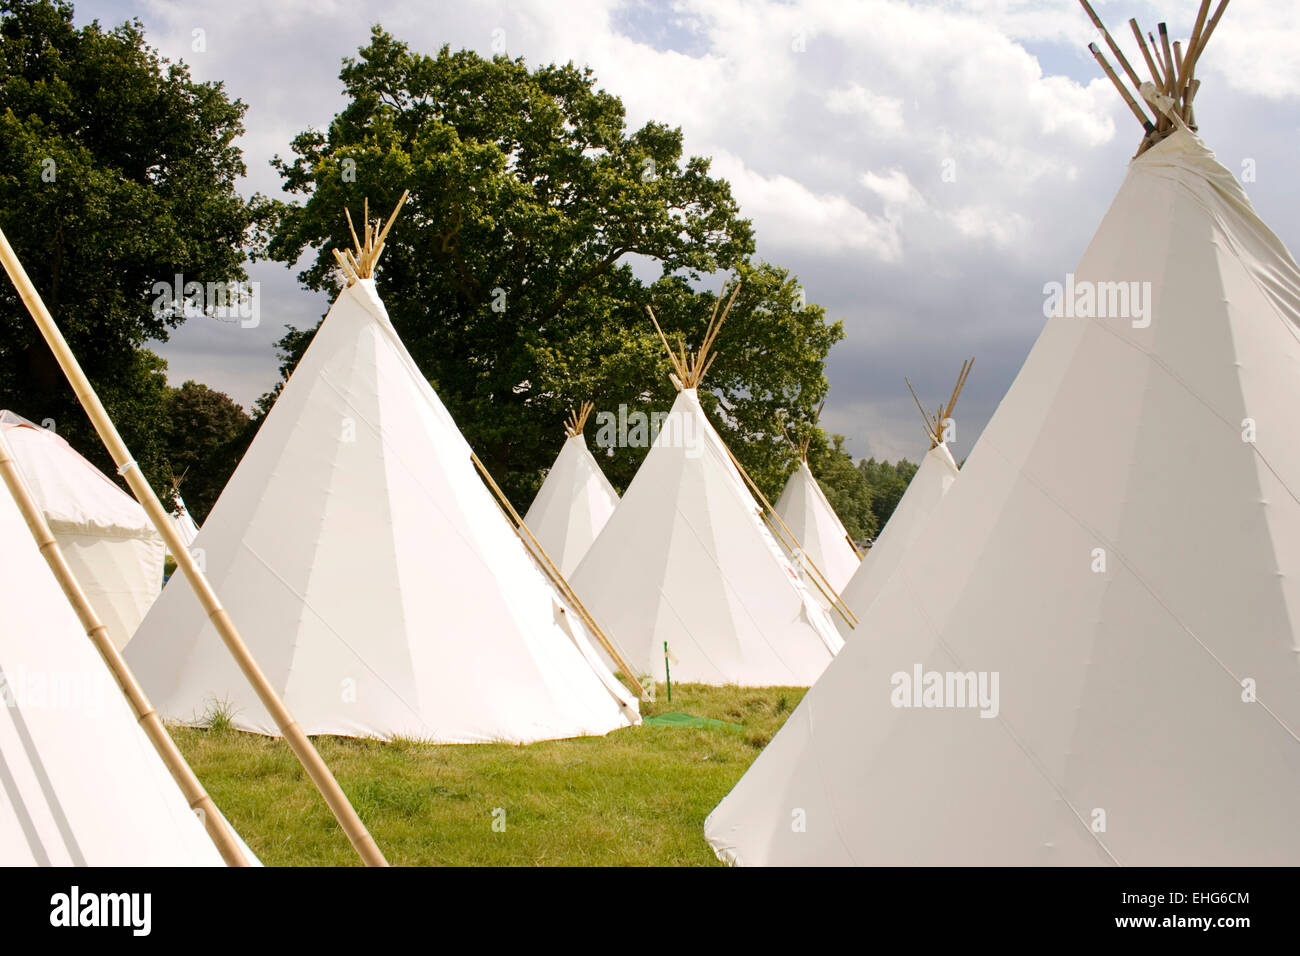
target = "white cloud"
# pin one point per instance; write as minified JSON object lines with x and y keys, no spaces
{"x":886,"y":112}
{"x":806,"y":220}
{"x":894,"y":187}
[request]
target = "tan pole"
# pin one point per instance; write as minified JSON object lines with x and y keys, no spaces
{"x":218,"y":829}
{"x":127,"y":468}
{"x":816,"y":577}
{"x":558,"y":579}
{"x":1146,"y":54}
{"x":1114,"y":47}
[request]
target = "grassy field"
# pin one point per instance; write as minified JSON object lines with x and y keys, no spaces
{"x":637,"y":797}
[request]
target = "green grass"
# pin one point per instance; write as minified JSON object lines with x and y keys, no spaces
{"x":637,"y":797}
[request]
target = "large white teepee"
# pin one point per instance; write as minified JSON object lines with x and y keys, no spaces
{"x":686,"y":559}
{"x":372,"y":574}
{"x":807,"y":513}
{"x":574,"y":502}
{"x":931,"y":482}
{"x":80,"y":783}
{"x":1123,"y":552}
{"x":105,"y":536}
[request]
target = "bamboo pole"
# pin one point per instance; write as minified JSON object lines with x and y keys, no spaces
{"x":1201,"y":36}
{"x":214,"y":823}
{"x":1168,"y":58}
{"x":548,"y":567}
{"x":1146,"y":53}
{"x":297,"y":740}
{"x":1114,"y":47}
{"x":1123,"y":91}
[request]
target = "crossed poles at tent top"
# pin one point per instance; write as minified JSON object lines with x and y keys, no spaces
{"x":934,"y":426}
{"x":577,"y":420}
{"x":359,"y":263}
{"x":1173,"y":84}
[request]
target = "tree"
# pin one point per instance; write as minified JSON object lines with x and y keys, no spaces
{"x":845,"y":486}
{"x":509,"y":278}
{"x":117,"y":172}
{"x":888,"y":483}
{"x":207,"y":435}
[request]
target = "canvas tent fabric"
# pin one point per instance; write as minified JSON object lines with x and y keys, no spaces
{"x":814,"y":523}
{"x":933,"y":478}
{"x":80,"y":783}
{"x":371,"y":573}
{"x":1123,"y":551}
{"x":572,"y":506}
{"x":107,"y":539}
{"x":686,"y":559}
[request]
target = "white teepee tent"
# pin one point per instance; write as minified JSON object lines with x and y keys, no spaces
{"x":807,"y":513}
{"x":183,"y":521}
{"x":104,"y":534}
{"x":1121,"y":554}
{"x":686,"y":559}
{"x":80,"y":783}
{"x":575,"y":500}
{"x":180,"y":515}
{"x":371,"y":572}
{"x":931,"y":482}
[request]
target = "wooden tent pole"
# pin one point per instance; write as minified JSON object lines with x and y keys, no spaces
{"x":817,"y":577}
{"x":1114,"y":47}
{"x":548,"y":567}
{"x":218,"y":829}
{"x":1201,"y":36}
{"x":1146,"y":53}
{"x":1168,"y":58}
{"x":297,"y":740}
{"x":1123,"y":91}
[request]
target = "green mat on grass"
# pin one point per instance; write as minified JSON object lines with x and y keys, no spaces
{"x":688,"y":720}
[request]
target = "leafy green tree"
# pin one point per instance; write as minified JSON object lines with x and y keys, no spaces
{"x":510,"y":275}
{"x":207,"y":435}
{"x":888,"y":483}
{"x":117,"y":172}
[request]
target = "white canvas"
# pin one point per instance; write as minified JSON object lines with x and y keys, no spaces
{"x":933,"y":478}
{"x":371,"y":573}
{"x":107,"y":539}
{"x":810,"y":517}
{"x":686,"y":559}
{"x":1123,"y":550}
{"x":571,"y":507}
{"x":80,"y":784}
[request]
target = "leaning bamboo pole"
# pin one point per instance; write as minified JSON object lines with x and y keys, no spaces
{"x":548,"y":567}
{"x":792,"y":546}
{"x":218,"y":829}
{"x":293,"y":734}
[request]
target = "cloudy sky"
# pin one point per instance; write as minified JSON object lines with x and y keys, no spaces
{"x":923,"y":167}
